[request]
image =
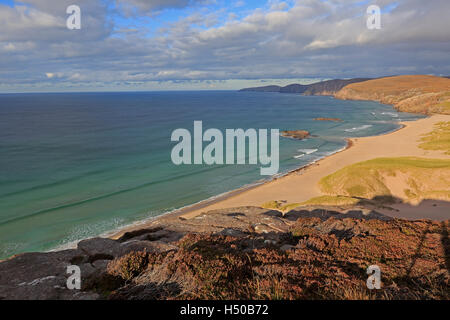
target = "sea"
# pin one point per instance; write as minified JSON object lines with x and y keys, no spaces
{"x":80,"y":165}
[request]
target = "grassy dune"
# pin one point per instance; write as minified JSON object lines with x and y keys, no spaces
{"x":331,"y":201}
{"x":322,"y":200}
{"x":411,"y":179}
{"x":438,"y":139}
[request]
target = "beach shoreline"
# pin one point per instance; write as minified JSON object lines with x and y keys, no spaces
{"x":259,"y":193}
{"x":181,"y":212}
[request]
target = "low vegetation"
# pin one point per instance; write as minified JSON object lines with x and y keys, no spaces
{"x":438,"y":139}
{"x":331,"y":201}
{"x":317,"y":259}
{"x":129,"y":266}
{"x":280,"y":206}
{"x":247,"y":253}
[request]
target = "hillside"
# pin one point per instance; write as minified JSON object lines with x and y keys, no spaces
{"x":413,"y":93}
{"x":235,"y":254}
{"x":294,"y":88}
{"x":330,"y":87}
{"x":264,"y":89}
{"x":323,"y":88}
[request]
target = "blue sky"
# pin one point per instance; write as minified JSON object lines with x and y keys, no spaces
{"x":215,"y":44}
{"x":221,"y":8}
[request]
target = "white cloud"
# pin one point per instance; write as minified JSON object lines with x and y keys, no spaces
{"x":312,"y":38}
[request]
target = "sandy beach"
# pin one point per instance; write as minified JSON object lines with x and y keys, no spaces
{"x":302,"y":184}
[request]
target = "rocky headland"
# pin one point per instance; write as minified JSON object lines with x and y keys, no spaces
{"x":323,"y":88}
{"x":410,"y":93}
{"x":413,"y":93}
{"x":247,"y":253}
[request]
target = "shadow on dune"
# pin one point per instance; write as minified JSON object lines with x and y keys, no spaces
{"x":388,"y":207}
{"x":438,"y":210}
{"x":426,"y":209}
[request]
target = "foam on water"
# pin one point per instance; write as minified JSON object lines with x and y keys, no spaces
{"x":392,"y":114}
{"x":360,"y":128}
{"x":308,"y":151}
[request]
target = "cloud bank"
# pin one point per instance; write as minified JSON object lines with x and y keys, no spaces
{"x":120,"y":45}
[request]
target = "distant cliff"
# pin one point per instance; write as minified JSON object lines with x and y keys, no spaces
{"x":414,"y":93}
{"x":294,"y":88}
{"x":264,"y":89}
{"x":330,"y":87}
{"x":324,"y":88}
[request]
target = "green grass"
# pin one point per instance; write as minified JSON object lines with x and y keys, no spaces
{"x":438,"y":139}
{"x":275,"y":205}
{"x":278,"y":205}
{"x":331,"y":201}
{"x":368,"y":179}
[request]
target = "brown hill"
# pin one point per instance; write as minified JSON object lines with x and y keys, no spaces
{"x":294,"y":88}
{"x":413,"y":93}
{"x":330,"y":87}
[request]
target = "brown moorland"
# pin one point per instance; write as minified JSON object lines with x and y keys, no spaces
{"x":247,"y":253}
{"x":412,"y":93}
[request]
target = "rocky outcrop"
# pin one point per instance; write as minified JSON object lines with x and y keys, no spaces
{"x":246,"y":253}
{"x":43,"y":276}
{"x":317,"y":258}
{"x":329,"y":119}
{"x":296,"y":134}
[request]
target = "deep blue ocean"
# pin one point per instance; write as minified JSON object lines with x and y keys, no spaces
{"x":77,"y":165}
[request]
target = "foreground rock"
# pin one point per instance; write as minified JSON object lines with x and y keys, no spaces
{"x":246,"y":253}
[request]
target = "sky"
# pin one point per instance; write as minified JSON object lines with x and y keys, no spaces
{"x":145,"y":45}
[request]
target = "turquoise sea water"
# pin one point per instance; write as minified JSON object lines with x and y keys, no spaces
{"x":78,"y":165}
